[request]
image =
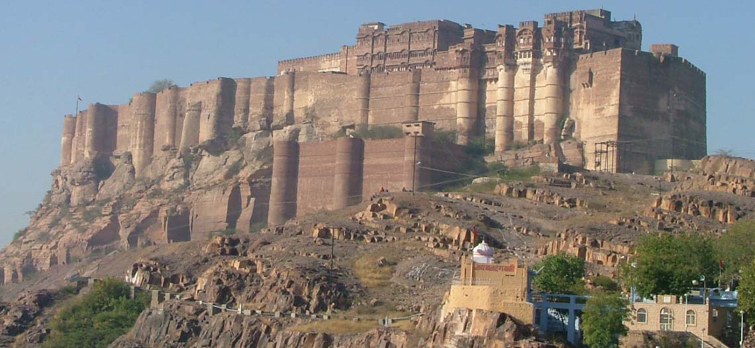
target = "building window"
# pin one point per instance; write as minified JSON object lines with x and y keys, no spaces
{"x":691,"y":317}
{"x":667,"y":320}
{"x":642,"y":315}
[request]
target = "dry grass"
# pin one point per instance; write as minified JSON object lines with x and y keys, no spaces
{"x":487,"y":187}
{"x":344,"y":326}
{"x":369,"y":273}
{"x":336,"y":326}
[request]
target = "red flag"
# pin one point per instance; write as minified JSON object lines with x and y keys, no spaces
{"x":474,"y":231}
{"x":721,"y":264}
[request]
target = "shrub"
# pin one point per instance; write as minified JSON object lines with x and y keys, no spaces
{"x":188,"y":159}
{"x":20,"y":233}
{"x":69,"y":290}
{"x":517,"y":145}
{"x":226,"y":232}
{"x":519,"y":174}
{"x":257,"y":226}
{"x":103,"y":168}
{"x":481,"y":146}
{"x":233,"y":136}
{"x":374,"y":132}
{"x":97,"y":318}
{"x":234,"y":169}
{"x":605,"y":283}
{"x":444,"y":136}
{"x":43,"y":237}
{"x":155,"y":193}
{"x":265,"y":155}
{"x":160,"y":85}
{"x":91,"y":213}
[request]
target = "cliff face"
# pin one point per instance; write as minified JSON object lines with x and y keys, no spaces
{"x":99,"y":205}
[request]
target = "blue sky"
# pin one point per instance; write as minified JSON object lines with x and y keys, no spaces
{"x":105,"y":51}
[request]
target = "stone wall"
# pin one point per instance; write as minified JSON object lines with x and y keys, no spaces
{"x":488,"y":298}
{"x":663,"y":109}
{"x":593,"y":101}
{"x":342,"y":172}
{"x":518,"y":85}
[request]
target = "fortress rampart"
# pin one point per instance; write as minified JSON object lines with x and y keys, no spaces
{"x":338,"y":173}
{"x":580,"y":76}
{"x":516,"y":85}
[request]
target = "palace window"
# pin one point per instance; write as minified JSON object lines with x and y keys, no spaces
{"x":667,"y":320}
{"x":691,"y":317}
{"x":642,"y":315}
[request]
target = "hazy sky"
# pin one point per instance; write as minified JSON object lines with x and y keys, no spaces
{"x":105,"y":51}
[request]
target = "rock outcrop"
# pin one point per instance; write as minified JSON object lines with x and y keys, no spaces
{"x":476,"y":328}
{"x":97,"y":205}
{"x":592,"y":250}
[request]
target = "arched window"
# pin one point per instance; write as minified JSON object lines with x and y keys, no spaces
{"x":642,"y":315}
{"x":691,"y":317}
{"x":667,"y":320}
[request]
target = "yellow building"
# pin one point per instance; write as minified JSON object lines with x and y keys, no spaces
{"x":500,"y":287}
{"x":704,"y":318}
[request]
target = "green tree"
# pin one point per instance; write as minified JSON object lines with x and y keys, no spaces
{"x":735,"y":248}
{"x":746,"y":290}
{"x":603,"y":320}
{"x":160,"y":85}
{"x":667,"y":264}
{"x":560,"y":273}
{"x":97,"y":318}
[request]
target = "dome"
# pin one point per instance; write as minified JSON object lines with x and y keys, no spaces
{"x":483,"y":249}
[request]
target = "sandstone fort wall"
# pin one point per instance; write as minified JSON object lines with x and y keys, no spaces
{"x":580,"y":77}
{"x":337,"y":173}
{"x":663,"y":109}
{"x":593,"y":100}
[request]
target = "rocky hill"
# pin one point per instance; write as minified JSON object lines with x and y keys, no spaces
{"x":394,"y":255}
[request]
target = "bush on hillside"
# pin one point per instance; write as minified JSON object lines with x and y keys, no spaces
{"x":97,"y":318}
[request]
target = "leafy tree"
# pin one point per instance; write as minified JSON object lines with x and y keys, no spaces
{"x":603,"y":320}
{"x":746,"y":290}
{"x":160,"y":85}
{"x":735,"y":248}
{"x":561,"y":273}
{"x":97,"y":318}
{"x":605,"y":283}
{"x":667,"y":264}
